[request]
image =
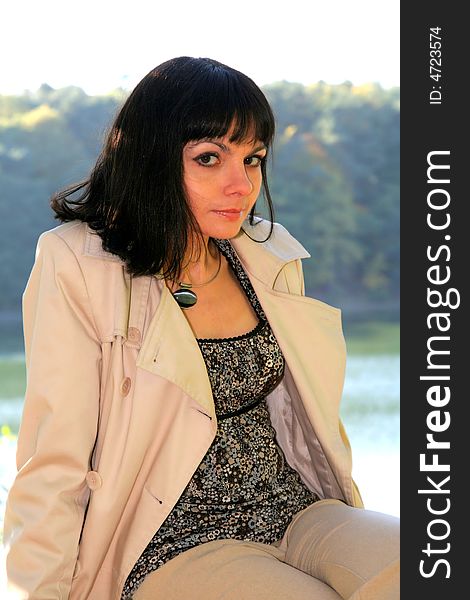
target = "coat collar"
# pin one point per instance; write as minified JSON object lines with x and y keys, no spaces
{"x":264,"y":260}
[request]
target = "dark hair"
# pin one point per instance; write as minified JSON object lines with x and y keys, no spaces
{"x":134,"y":197}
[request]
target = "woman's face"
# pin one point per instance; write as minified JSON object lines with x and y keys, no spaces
{"x":222,"y":181}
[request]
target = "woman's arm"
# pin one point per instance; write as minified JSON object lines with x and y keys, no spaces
{"x":47,"y":501}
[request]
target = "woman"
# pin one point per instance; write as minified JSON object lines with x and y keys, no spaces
{"x":180,"y":435}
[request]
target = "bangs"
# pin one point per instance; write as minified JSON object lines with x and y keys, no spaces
{"x":227,"y":101}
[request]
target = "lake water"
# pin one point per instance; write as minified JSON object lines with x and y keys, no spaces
{"x":370,"y":412}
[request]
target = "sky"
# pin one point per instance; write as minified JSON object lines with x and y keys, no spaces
{"x":103,"y":44}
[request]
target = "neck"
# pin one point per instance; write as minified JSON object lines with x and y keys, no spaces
{"x":200,"y":263}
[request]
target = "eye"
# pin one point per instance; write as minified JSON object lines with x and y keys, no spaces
{"x":254,"y":161}
{"x":208,"y":159}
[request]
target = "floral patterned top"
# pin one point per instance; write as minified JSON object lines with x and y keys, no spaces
{"x":243,"y":488}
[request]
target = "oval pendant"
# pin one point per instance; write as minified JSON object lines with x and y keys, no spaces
{"x":185,"y":298}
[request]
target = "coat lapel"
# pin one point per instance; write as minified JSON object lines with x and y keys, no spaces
{"x":170,"y":350}
{"x":310,"y":336}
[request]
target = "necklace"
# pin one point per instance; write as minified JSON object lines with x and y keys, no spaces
{"x":185,"y":296}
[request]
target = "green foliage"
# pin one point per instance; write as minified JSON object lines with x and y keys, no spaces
{"x":336,"y":184}
{"x":334,"y":180}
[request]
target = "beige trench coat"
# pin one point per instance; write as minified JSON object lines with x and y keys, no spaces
{"x":119,"y":413}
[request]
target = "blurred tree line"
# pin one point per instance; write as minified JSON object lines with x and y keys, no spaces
{"x":334,"y":181}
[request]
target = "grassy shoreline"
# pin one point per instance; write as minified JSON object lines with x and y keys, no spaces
{"x":372,"y":337}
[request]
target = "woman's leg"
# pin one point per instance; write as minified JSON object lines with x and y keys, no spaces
{"x":353,"y":550}
{"x":232,"y":570}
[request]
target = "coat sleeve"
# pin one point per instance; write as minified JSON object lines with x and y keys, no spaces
{"x":47,"y":501}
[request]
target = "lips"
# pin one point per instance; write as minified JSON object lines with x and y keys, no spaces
{"x":231,"y":214}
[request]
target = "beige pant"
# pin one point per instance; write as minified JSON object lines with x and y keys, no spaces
{"x":330,"y":551}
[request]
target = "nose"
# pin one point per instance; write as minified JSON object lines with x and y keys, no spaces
{"x":238,"y":181}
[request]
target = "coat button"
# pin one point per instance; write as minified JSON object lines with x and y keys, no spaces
{"x":133,"y":334}
{"x":125,"y":386}
{"x":93,"y":480}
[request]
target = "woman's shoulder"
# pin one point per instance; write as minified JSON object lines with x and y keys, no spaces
{"x":73,"y":260}
{"x":79,"y":238}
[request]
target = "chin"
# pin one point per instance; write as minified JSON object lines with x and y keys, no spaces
{"x":223,"y":232}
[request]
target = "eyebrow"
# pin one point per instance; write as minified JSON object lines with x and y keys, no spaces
{"x":223,"y":146}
